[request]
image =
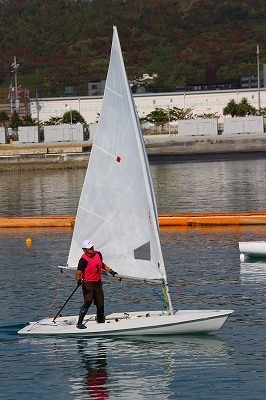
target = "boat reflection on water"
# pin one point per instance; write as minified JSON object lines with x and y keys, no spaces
{"x":105,"y":368}
{"x":253,"y":271}
{"x":95,"y":363}
{"x":140,"y":366}
{"x":135,"y":368}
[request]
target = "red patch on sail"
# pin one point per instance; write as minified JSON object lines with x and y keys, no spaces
{"x":118,"y":159}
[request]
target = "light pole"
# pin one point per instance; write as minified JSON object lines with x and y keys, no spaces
{"x":71,"y":121}
{"x":258,"y":66}
{"x":168,"y":109}
{"x":15,"y":70}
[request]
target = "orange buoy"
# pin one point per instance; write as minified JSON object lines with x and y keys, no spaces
{"x":28,"y":241}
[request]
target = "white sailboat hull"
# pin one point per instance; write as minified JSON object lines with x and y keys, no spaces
{"x":252,"y":249}
{"x":137,"y":323}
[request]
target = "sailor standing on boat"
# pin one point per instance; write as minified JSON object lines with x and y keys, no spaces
{"x":89,"y":274}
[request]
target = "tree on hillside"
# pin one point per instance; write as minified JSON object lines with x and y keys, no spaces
{"x":262,"y":111}
{"x":241,"y":109}
{"x":73,"y":116}
{"x":230,"y":108}
{"x":208,"y":115}
{"x":4,"y":118}
{"x":14,"y":120}
{"x":162,"y":116}
{"x":158,"y":117}
{"x":177,"y":113}
{"x":27,"y":120}
{"x":67,"y":42}
{"x":53,"y":121}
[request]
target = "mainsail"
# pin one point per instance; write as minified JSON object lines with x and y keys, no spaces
{"x":117,"y":209}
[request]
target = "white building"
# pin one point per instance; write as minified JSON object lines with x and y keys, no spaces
{"x":200,"y":102}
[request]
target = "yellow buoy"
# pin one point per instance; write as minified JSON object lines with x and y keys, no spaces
{"x":28,"y":241}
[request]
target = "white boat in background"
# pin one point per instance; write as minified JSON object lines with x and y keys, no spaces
{"x":118,"y":213}
{"x":252,"y":249}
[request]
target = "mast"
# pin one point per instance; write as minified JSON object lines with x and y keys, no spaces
{"x":167,"y":291}
{"x":146,"y":171}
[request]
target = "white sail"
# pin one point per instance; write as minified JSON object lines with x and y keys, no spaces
{"x":117,"y":209}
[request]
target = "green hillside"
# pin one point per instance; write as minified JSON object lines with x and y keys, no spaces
{"x":62,"y":43}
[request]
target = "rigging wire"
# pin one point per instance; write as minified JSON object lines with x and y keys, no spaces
{"x":160,"y":297}
{"x":57,"y":290}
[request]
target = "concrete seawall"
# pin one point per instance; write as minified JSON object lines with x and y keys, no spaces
{"x":165,"y":220}
{"x":68,"y":155}
{"x":27,"y":162}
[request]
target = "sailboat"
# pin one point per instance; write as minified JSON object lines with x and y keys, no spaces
{"x":117,"y":211}
{"x":252,"y":249}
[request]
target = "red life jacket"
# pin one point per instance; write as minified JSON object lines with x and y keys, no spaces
{"x":93,"y":270}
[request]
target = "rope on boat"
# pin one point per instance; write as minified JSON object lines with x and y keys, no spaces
{"x":58,"y":289}
{"x":161,"y":298}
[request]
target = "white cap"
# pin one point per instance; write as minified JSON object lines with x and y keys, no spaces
{"x":86,"y":244}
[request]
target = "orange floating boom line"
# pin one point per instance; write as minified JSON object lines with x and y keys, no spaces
{"x":205,"y":219}
{"x":215,"y":219}
{"x":37,"y":221}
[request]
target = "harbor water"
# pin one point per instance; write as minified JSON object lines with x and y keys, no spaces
{"x":204,"y":271}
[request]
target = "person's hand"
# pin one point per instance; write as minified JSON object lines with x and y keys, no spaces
{"x":79,"y":282}
{"x":113,"y":272}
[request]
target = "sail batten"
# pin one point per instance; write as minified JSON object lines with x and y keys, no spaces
{"x":106,"y":152}
{"x":118,"y":94}
{"x":93,"y":213}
